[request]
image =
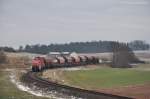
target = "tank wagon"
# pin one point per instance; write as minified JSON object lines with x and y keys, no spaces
{"x":41,"y":63}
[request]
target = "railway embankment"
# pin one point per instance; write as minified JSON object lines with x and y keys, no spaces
{"x":33,"y":79}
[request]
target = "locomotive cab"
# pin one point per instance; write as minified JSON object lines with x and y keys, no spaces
{"x":38,"y":64}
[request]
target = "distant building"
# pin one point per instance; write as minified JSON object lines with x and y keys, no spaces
{"x":53,"y":54}
{"x":65,"y":53}
{"x":57,"y":54}
{"x":74,"y":54}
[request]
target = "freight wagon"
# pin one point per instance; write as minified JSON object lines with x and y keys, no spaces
{"x":41,"y":63}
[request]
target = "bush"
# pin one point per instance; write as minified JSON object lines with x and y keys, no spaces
{"x":2,"y":57}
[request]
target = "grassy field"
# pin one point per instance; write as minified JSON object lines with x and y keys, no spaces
{"x":103,"y":77}
{"x":9,"y":91}
{"x":107,"y":77}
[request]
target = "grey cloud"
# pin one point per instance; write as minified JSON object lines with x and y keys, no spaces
{"x":60,"y":21}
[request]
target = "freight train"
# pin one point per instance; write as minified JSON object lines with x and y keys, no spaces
{"x":41,"y":63}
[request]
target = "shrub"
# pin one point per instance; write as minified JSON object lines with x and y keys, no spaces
{"x":2,"y":57}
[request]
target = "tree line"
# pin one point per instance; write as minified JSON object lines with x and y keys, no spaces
{"x":139,"y":45}
{"x":82,"y":47}
{"x":7,"y":49}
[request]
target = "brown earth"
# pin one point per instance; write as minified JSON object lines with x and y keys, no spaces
{"x":137,"y":91}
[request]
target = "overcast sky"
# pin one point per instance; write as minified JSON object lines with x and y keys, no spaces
{"x":60,"y":21}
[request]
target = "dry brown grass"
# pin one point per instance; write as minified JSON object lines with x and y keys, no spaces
{"x":16,"y":61}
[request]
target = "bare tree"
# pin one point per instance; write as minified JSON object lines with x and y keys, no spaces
{"x":122,"y":55}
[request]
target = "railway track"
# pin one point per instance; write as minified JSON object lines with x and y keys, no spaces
{"x":32,"y":78}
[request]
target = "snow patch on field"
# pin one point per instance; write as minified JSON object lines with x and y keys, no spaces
{"x":74,"y":69}
{"x":79,"y":68}
{"x":8,"y":70}
{"x":20,"y":86}
{"x":36,"y":91}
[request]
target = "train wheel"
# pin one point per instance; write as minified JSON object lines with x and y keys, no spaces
{"x":33,"y":69}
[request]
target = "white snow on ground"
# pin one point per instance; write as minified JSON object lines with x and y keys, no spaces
{"x":77,"y":68}
{"x":142,"y":51}
{"x":74,"y":69}
{"x":35,"y":91}
{"x":8,"y":70}
{"x":20,"y":86}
